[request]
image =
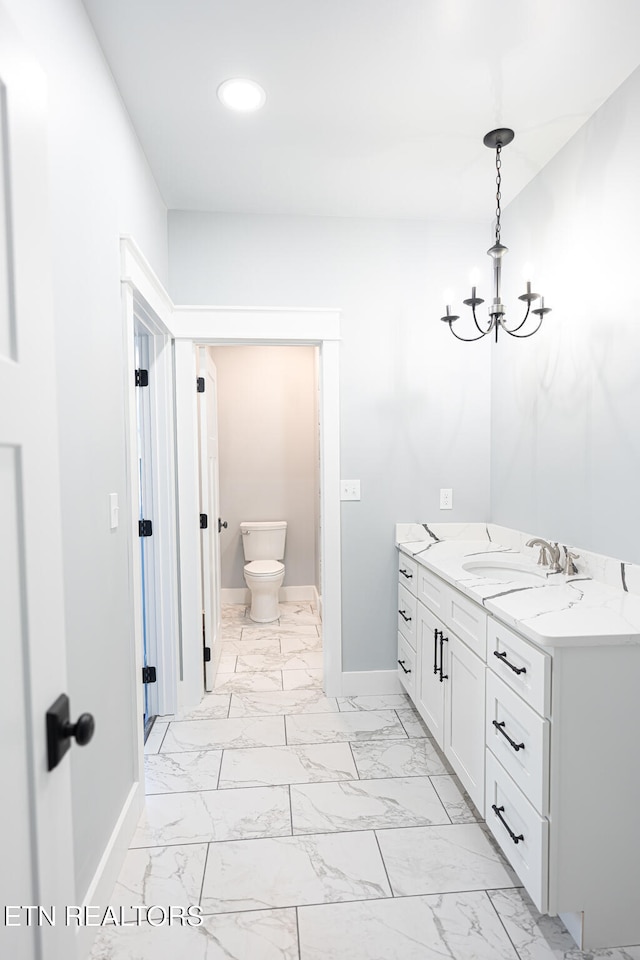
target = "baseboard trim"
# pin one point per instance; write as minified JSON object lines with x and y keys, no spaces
{"x":357,"y":683}
{"x":104,"y":879}
{"x":302,"y":594}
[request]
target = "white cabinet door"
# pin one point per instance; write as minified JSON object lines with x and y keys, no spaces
{"x":464,"y":717}
{"x":430,"y":682}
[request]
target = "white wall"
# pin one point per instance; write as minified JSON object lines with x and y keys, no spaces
{"x":566,"y":403}
{"x":414,"y":402}
{"x":267,"y":427}
{"x":100,"y":187}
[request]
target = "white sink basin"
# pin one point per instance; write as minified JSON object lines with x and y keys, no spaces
{"x":507,"y":569}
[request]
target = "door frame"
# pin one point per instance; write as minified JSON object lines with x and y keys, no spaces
{"x":147,"y":310}
{"x":211,"y":326}
{"x":266,"y":326}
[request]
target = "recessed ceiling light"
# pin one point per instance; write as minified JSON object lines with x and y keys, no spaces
{"x":240,"y":94}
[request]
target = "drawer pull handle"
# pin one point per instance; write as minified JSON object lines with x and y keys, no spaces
{"x":404,"y":616}
{"x":443,"y":640}
{"x":402,"y":664}
{"x":500,"y":725}
{"x":498,"y":812}
{"x":503,"y":657}
{"x":405,"y":573}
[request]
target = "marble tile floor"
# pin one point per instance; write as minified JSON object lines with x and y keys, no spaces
{"x":315,"y":828}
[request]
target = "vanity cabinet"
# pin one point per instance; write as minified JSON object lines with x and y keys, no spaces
{"x":544,"y":737}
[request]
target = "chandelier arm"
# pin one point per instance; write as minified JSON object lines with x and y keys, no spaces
{"x":467,"y":339}
{"x":523,"y":336}
{"x":475,"y":320}
{"x":526,"y":317}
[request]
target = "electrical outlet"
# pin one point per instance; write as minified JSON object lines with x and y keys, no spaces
{"x":349,"y":489}
{"x":446,"y":498}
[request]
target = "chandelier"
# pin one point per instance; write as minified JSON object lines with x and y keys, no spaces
{"x":496,"y":140}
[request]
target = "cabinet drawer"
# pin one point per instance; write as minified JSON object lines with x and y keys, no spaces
{"x":432,"y":591}
{"x":519,"y":738}
{"x":507,"y":809}
{"x":523,"y":667}
{"x":407,"y":606}
{"x":406,"y":666}
{"x":408,"y":573}
{"x":468,"y":620}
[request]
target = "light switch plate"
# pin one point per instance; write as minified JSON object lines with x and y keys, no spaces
{"x":113,"y":510}
{"x":446,"y":498}
{"x":349,"y":489}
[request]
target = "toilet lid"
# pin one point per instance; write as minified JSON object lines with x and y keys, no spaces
{"x":264,"y":568}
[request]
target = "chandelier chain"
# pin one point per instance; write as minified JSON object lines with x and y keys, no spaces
{"x":498,"y":193}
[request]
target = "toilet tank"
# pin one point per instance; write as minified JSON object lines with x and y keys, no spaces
{"x":263,"y":540}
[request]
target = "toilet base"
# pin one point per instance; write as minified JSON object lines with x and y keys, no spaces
{"x":264,"y":607}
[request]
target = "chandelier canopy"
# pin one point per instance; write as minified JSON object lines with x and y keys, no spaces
{"x":496,"y":140}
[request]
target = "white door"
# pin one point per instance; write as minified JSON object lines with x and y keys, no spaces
{"x":209,"y":508}
{"x":147,"y":521}
{"x":36,"y":851}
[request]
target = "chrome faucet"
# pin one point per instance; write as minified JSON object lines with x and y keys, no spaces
{"x":549,"y":554}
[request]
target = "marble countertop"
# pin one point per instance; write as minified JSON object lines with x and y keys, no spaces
{"x":553,"y":611}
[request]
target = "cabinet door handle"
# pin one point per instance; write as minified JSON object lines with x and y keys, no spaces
{"x":498,"y":812}
{"x":404,"y":616}
{"x":503,"y":657}
{"x":405,"y":573}
{"x":402,"y":664}
{"x":500,"y":725}
{"x":443,"y":640}
{"x":435,"y":649}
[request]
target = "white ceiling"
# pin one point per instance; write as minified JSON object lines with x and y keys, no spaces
{"x":374,"y":107}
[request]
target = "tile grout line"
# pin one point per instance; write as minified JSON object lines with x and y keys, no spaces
{"x":298,"y":934}
{"x":386,"y":872}
{"x":323,"y":903}
{"x":353,"y":757}
{"x":204,"y":873}
{"x":517,"y":952}
{"x":290,"y":808}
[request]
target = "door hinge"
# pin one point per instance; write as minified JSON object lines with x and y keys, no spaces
{"x":142,"y":378}
{"x":200,"y":384}
{"x":207,"y":654}
{"x":145,"y":528}
{"x":149,"y":675}
{"x":204,"y":521}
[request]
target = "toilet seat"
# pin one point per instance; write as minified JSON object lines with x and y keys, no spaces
{"x":264,"y":568}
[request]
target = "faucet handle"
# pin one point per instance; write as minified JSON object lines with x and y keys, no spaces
{"x":570,"y":568}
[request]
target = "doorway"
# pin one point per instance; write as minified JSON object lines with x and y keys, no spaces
{"x":269,"y":455}
{"x":149,"y":396}
{"x":219,"y":327}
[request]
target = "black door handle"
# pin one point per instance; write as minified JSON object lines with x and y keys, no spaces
{"x":402,"y":664}
{"x":404,"y":616}
{"x":435,"y":649}
{"x":60,"y":730}
{"x":222,"y":524}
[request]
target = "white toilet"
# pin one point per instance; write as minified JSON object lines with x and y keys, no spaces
{"x":263,"y":545}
